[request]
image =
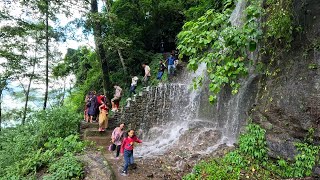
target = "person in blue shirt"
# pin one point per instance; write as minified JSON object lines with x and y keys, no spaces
{"x":171,"y":66}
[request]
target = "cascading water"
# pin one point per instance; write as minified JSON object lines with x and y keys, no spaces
{"x":185,"y":121}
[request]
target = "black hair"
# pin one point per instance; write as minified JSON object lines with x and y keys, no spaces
{"x":127,"y":133}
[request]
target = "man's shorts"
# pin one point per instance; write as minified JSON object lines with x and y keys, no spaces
{"x":115,"y":99}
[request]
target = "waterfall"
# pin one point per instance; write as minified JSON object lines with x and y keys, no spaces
{"x":179,"y":118}
{"x":237,"y":15}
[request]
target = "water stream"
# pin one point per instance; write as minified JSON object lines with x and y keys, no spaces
{"x":188,"y":122}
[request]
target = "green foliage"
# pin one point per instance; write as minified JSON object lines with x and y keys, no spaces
{"x":278,"y":29}
{"x":48,"y":135}
{"x":154,"y":66}
{"x":214,"y":169}
{"x":253,"y":143}
{"x":67,"y":167}
{"x":250,"y":160}
{"x":195,"y":9}
{"x":304,"y":162}
{"x":212,"y":40}
{"x":279,"y":21}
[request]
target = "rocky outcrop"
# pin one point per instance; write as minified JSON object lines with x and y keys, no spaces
{"x":288,"y":101}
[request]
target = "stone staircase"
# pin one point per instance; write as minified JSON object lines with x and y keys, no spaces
{"x":90,"y":132}
{"x":98,"y":166}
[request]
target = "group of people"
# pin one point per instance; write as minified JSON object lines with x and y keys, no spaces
{"x":124,"y":144}
{"x":97,"y":106}
{"x":172,"y":63}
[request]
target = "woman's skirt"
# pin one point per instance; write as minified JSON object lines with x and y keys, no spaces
{"x":103,"y":119}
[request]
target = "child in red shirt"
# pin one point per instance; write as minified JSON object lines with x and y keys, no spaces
{"x":127,"y":150}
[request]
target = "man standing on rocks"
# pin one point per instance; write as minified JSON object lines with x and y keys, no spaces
{"x":116,"y":99}
{"x":162,"y":67}
{"x":147,"y":74}
{"x":134,"y":82}
{"x":171,"y":66}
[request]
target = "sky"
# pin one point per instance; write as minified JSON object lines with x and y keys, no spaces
{"x":61,"y":47}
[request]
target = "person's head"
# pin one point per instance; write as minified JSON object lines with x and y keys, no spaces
{"x":144,"y":65}
{"x":160,"y":62}
{"x":121,"y":126}
{"x":131,"y":133}
{"x":94,"y":92}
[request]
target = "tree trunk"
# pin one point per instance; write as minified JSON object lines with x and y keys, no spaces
{"x":28,"y":92}
{"x":64,"y":91}
{"x":100,"y":50}
{"x":47,"y":55}
{"x":122,"y":61}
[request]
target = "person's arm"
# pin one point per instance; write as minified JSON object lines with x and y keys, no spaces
{"x":113,"y":136}
{"x":145,"y":72}
{"x":148,"y":70}
{"x":100,"y":107}
{"x":138,"y":140}
{"x":123,"y":145}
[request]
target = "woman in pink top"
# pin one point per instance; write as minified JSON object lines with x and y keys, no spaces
{"x":117,"y":136}
{"x":127,"y":150}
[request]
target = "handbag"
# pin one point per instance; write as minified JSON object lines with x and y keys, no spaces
{"x":112,"y":147}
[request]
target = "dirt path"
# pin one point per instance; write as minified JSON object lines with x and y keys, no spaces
{"x":102,"y":139}
{"x":170,"y":166}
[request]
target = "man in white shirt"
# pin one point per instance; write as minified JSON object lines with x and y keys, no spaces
{"x":117,"y":97}
{"x":134,"y":82}
{"x":147,"y":74}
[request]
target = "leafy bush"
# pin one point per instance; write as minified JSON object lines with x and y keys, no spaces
{"x":215,"y":169}
{"x":67,"y":167}
{"x":250,"y":160}
{"x":27,"y":149}
{"x":253,"y":143}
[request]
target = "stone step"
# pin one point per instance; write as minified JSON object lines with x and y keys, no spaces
{"x":94,"y":132}
{"x":85,"y":125}
{"x":100,"y":141}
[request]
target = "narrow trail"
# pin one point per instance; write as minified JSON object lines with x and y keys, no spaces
{"x":102,"y":139}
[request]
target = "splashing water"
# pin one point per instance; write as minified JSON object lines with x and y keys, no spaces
{"x":187,"y":121}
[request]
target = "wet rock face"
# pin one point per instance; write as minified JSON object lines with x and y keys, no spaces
{"x":157,"y":106}
{"x":307,"y":16}
{"x":288,"y":103}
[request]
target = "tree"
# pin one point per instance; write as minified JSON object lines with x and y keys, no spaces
{"x":32,"y":61}
{"x":49,"y":9}
{"x":12,"y":50}
{"x":46,"y":12}
{"x":98,"y":38}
